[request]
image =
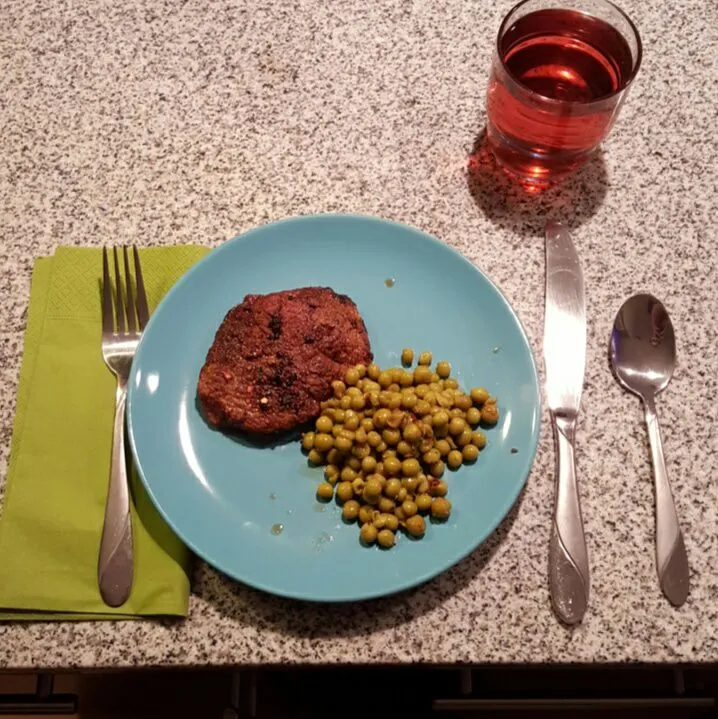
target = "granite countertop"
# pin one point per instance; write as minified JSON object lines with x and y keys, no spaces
{"x":172,"y":121}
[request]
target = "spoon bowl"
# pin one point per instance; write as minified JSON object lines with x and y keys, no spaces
{"x":643,"y":357}
{"x":643,"y":346}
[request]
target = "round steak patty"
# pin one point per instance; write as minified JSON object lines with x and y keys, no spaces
{"x":274,"y":357}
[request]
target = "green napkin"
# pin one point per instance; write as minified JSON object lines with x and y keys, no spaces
{"x":59,"y":462}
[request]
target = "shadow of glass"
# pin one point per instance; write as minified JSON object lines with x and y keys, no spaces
{"x":526,"y":210}
{"x":308,"y":619}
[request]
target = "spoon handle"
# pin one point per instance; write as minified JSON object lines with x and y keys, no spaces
{"x":671,"y":557}
{"x":568,"y":559}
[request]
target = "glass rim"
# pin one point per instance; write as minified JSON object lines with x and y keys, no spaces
{"x":553,"y":100}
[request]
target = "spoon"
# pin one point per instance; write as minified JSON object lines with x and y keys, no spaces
{"x":643,"y":356}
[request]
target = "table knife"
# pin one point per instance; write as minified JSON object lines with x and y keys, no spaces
{"x":565,"y":361}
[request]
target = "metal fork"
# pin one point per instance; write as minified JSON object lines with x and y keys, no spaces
{"x":121,"y":332}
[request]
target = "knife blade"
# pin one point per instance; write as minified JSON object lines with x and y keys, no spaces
{"x":565,"y":362}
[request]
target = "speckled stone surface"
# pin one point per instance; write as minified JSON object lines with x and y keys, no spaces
{"x":172,"y":121}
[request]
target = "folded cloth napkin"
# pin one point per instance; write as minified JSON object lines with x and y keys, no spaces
{"x":58,"y":474}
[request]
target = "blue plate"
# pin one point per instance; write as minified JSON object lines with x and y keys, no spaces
{"x":251,"y":512}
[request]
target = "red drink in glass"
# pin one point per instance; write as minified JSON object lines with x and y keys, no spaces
{"x":559,"y":75}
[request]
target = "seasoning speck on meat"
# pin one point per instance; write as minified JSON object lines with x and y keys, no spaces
{"x":274,"y":357}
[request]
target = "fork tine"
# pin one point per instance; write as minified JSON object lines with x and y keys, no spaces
{"x":143,"y":314}
{"x":107,"y":320}
{"x":120,"y":305}
{"x":131,"y":325}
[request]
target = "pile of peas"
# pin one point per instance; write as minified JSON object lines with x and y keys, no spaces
{"x":385,"y":439}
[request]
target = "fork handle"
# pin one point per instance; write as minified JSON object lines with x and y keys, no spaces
{"x":115,"y":567}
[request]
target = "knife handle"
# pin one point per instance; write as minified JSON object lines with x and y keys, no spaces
{"x":568,"y":559}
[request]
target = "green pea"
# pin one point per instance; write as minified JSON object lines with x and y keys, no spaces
{"x":409,"y":400}
{"x":422,"y":375}
{"x":339,"y":388}
{"x":415,"y":525}
{"x":454,"y":459}
{"x":404,"y":449}
{"x":425,"y":359}
{"x":368,"y":533}
{"x":407,"y":356}
{"x":345,"y":492}
{"x":379,"y":520}
{"x":392,"y":522}
{"x":373,"y":371}
{"x":432,"y":456}
{"x":437,"y":469}
{"x":381,"y":417}
{"x":478,"y":439}
{"x":323,"y":442}
{"x":367,"y":424}
{"x":479,"y":395}
{"x":406,"y":379}
{"x":343,"y":444}
{"x":368,"y":464}
{"x":440,"y":508}
{"x":440,"y":418}
{"x":443,"y":369}
{"x":348,"y":474}
{"x":308,"y":441}
{"x":386,"y":505}
{"x":410,"y":467}
{"x":315,"y":457}
{"x":464,"y":438}
{"x":463,"y":402}
{"x":422,"y":408}
{"x":470,"y":453}
{"x":439,"y":489}
{"x":456,"y":426}
{"x":384,"y":379}
{"x":373,"y":439}
{"x":350,"y":511}
{"x":386,"y":538}
{"x":392,"y":466}
{"x":409,"y":508}
{"x":443,"y":447}
{"x":391,"y":436}
{"x":324,"y":424}
{"x":410,"y":484}
{"x":490,"y":413}
{"x":358,"y":485}
{"x":325,"y":491}
{"x":473,"y":416}
{"x":365,"y":513}
{"x":423,"y":502}
{"x":372,"y":487}
{"x":392,"y":488}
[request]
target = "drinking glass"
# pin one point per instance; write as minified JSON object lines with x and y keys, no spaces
{"x":559,"y":75}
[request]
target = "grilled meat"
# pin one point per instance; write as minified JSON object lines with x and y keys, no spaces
{"x":274,"y":357}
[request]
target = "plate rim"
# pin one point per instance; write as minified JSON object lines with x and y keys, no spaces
{"x":417,"y":580}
